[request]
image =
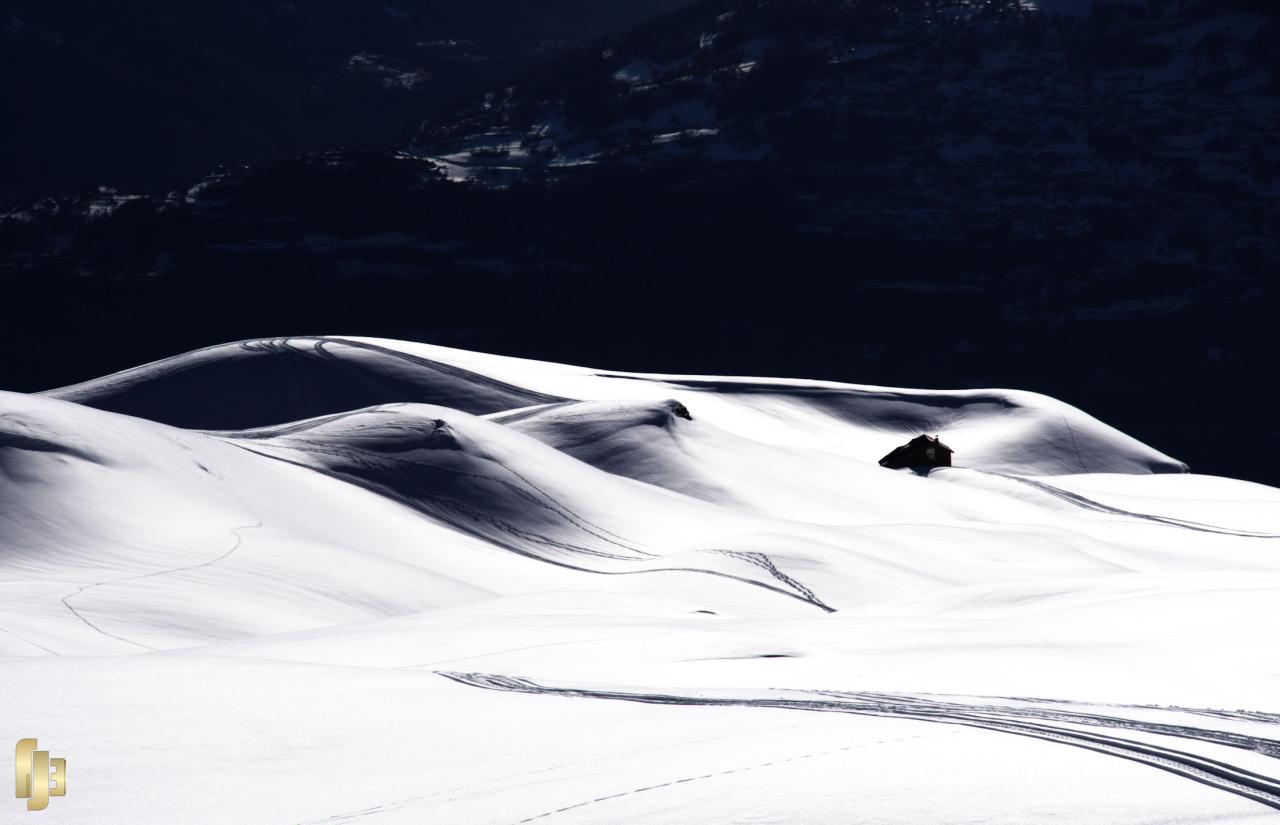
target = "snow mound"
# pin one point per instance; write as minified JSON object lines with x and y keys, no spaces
{"x":120,"y":534}
{"x":498,"y":484}
{"x":271,"y":381}
{"x":126,"y":534}
{"x":997,"y":430}
{"x":643,"y":588}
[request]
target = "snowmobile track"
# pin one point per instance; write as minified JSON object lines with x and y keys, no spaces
{"x":1061,"y":726}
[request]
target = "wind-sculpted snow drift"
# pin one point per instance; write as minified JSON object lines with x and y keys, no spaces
{"x":441,"y":564}
{"x":255,"y":383}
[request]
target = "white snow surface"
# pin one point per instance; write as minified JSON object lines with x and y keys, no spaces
{"x":514,"y":591}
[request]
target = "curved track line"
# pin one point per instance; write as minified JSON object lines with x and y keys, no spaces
{"x":1087,"y":503}
{"x":715,"y":774}
{"x":28,"y":641}
{"x":235,"y":532}
{"x":1023,"y":721}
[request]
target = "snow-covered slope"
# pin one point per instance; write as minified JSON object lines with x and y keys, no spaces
{"x":255,"y":383}
{"x":508,"y":590}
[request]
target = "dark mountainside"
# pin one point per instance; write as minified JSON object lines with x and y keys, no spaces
{"x":929,"y":194}
{"x":147,"y":94}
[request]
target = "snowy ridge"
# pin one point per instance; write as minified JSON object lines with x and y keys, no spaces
{"x":487,"y":481}
{"x":272,"y":381}
{"x":385,"y":527}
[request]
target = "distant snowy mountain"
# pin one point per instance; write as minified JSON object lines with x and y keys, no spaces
{"x":359,"y":578}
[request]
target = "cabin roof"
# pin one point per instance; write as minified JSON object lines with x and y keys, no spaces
{"x":931,"y":439}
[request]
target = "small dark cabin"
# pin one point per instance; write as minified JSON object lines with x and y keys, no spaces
{"x":921,"y":451}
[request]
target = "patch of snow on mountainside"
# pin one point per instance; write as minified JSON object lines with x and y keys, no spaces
{"x":490,"y":589}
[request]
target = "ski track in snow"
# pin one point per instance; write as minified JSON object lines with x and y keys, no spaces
{"x":676,"y":782}
{"x":1031,"y":721}
{"x":432,"y":797}
{"x":22,"y":638}
{"x":238,"y":540}
{"x":1087,"y":503}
